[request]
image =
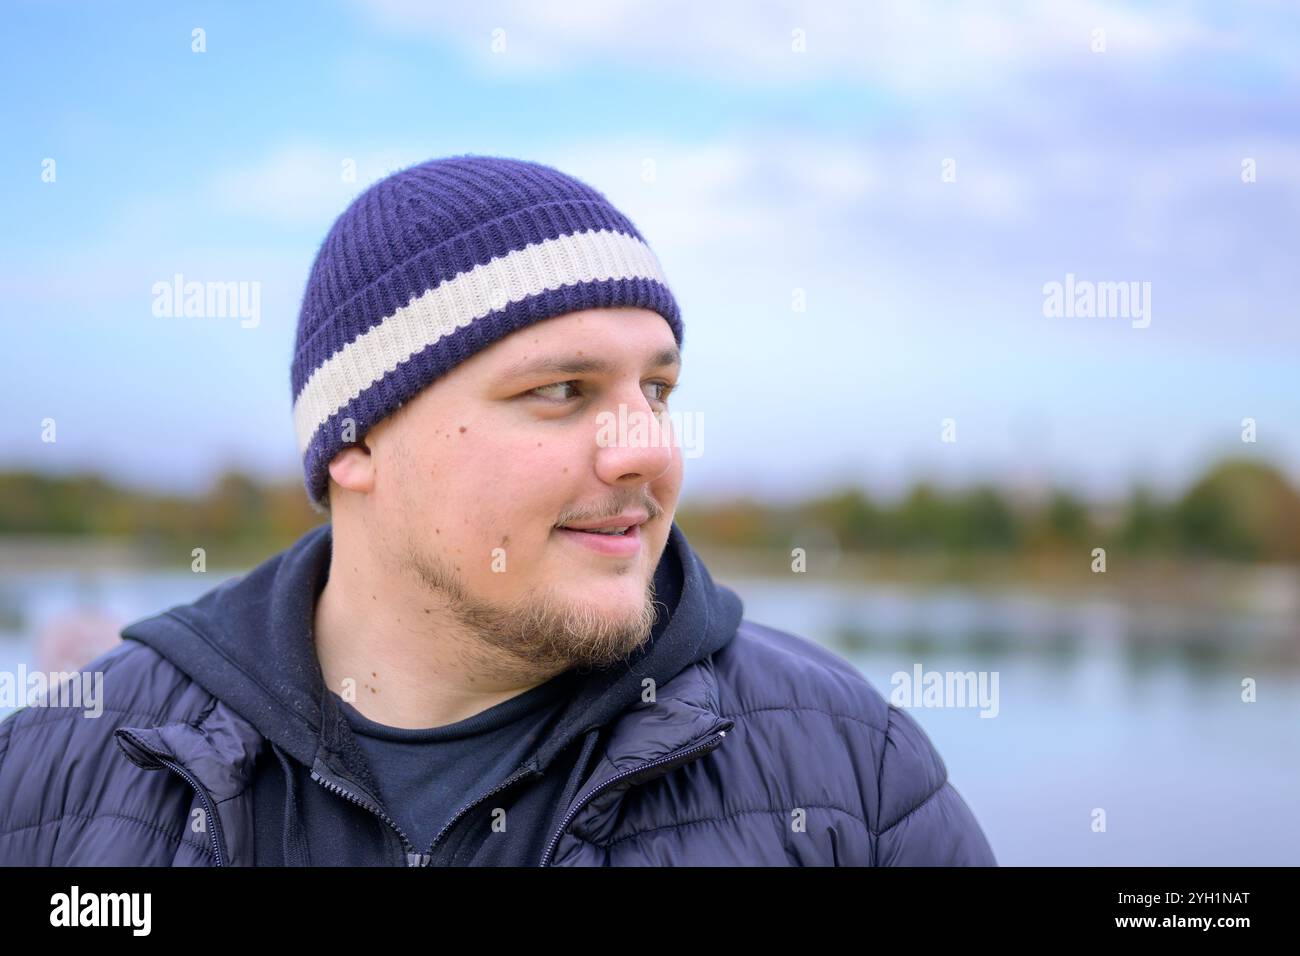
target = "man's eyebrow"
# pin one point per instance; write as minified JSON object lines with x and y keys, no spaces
{"x":584,"y":365}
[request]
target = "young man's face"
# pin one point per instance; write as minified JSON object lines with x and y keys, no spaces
{"x":478,"y":470}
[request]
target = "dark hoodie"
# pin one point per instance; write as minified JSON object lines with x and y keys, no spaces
{"x":249,"y":643}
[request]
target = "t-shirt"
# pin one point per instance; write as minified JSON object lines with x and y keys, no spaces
{"x":425,"y":776}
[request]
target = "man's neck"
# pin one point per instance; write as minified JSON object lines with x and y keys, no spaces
{"x":401,"y":658}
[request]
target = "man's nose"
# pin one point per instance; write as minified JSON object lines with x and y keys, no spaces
{"x":634,"y":443}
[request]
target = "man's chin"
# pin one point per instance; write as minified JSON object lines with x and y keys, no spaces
{"x":576,"y":620}
{"x":556,"y":630}
{"x":599,"y":634}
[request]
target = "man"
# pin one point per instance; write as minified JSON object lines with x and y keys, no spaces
{"x":500,"y":650}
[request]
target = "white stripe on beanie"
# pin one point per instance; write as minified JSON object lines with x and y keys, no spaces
{"x":565,"y":260}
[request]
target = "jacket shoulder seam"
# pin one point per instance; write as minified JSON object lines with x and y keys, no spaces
{"x":930,"y":796}
{"x":880,"y":772}
{"x":880,"y":777}
{"x":801,"y":707}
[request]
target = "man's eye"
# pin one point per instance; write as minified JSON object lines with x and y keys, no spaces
{"x":542,"y":388}
{"x":666,"y":389}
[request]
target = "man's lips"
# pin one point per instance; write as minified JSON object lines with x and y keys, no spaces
{"x":618,"y":521}
{"x":613,"y":545}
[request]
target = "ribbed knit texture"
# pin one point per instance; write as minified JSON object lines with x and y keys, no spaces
{"x":438,"y":261}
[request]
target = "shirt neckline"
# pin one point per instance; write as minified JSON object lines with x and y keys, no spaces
{"x":494,"y":717}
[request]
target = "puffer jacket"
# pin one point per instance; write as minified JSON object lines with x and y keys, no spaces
{"x":758,"y":747}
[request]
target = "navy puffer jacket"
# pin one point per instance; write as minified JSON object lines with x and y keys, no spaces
{"x":757,"y":747}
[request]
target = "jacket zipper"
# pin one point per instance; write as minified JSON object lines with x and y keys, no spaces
{"x":424,"y":859}
{"x":412,"y":858}
{"x":714,"y":740}
{"x":510,"y":781}
{"x":214,"y":827}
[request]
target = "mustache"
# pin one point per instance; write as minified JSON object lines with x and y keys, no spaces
{"x":649,"y":505}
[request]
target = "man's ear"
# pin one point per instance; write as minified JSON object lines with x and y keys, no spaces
{"x":354,"y":469}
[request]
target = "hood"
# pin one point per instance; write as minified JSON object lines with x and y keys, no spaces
{"x":249,"y":643}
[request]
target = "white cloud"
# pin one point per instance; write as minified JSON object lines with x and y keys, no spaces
{"x":911,"y":45}
{"x":297,"y":184}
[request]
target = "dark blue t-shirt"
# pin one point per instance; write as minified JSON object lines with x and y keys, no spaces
{"x":426,"y":776}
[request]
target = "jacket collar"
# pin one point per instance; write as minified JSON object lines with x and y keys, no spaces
{"x":217,"y":755}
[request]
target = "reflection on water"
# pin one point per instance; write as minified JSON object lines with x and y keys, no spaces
{"x":1138,"y":712}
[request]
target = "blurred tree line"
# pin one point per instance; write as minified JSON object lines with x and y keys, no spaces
{"x":1240,"y":510}
{"x":238,"y":511}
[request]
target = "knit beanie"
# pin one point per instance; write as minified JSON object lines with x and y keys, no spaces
{"x":437,"y":261}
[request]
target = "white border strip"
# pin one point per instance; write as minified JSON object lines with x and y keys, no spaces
{"x":580,"y":257}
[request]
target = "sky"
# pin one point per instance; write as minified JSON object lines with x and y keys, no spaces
{"x":858,"y":207}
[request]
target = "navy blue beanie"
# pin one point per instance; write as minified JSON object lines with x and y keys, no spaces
{"x":437,"y":261}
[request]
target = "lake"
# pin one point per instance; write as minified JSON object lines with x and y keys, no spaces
{"x":1136,"y":712}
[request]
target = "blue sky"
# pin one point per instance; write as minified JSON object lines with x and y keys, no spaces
{"x":774,"y":170}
